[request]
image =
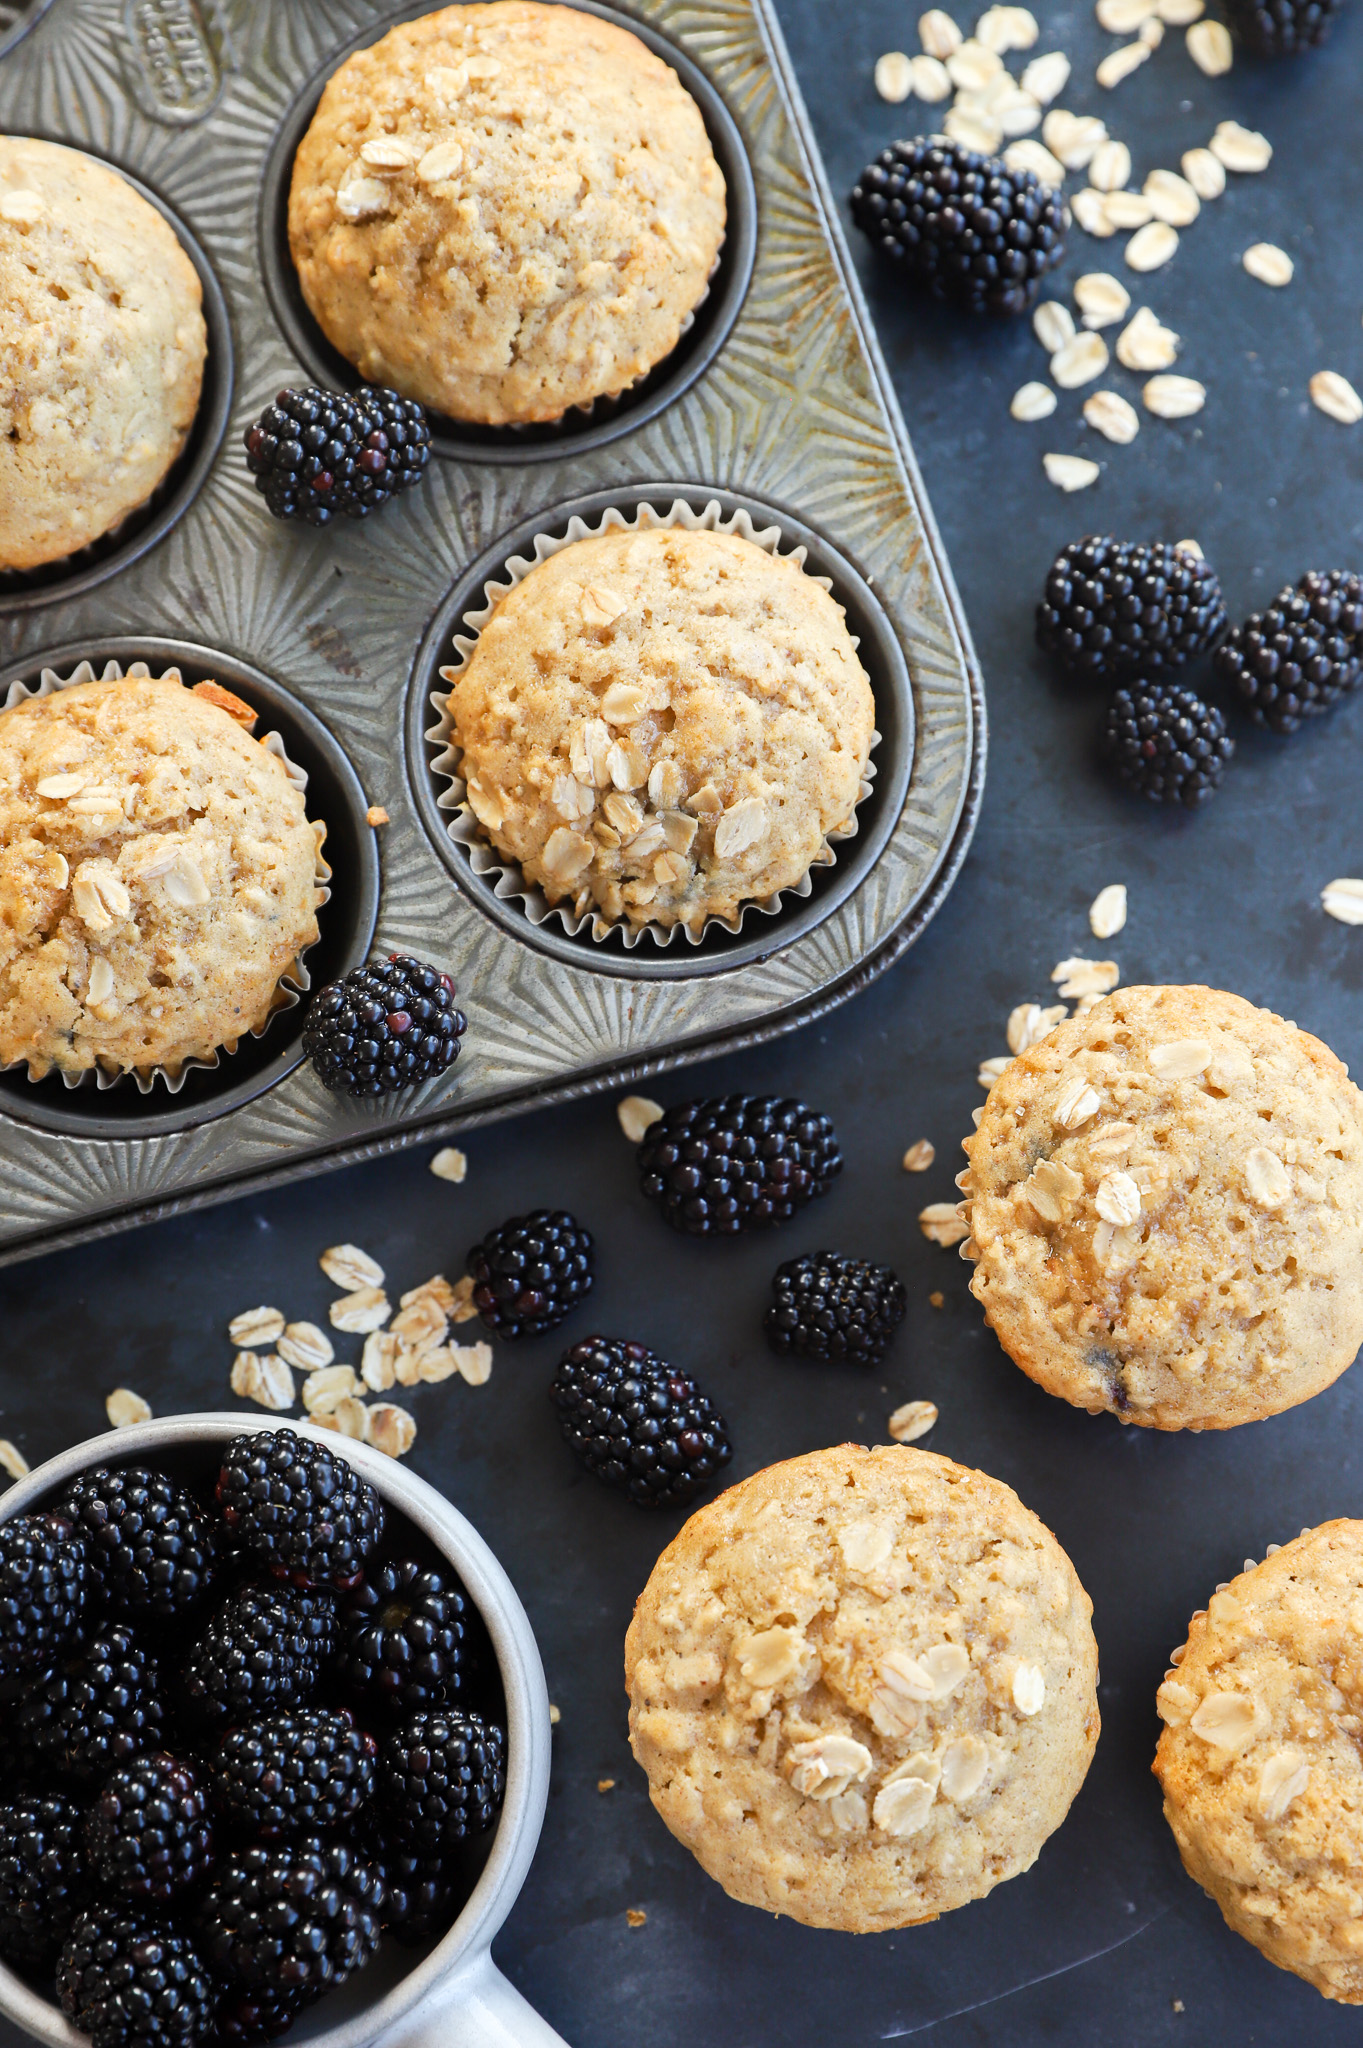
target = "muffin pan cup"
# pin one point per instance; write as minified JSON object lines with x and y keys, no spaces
{"x":138,"y":531}
{"x":582,"y":428}
{"x":788,"y":419}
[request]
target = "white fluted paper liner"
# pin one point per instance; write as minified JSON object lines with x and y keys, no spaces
{"x":294,"y":982}
{"x":464,"y":828}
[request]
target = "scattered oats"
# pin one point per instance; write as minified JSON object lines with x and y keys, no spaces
{"x":1029,"y":1689}
{"x":1240,"y":149}
{"x":1090,"y":210}
{"x":1173,"y":398}
{"x":1336,"y":396}
{"x":435,"y":1365}
{"x":1029,"y":1023}
{"x":256,"y":1326}
{"x":124,"y":1408}
{"x":912,"y":1420}
{"x":392,"y":1430}
{"x":1209,"y":46}
{"x":1070,"y":472}
{"x":462,"y":1309}
{"x":1107,"y":912}
{"x":605,"y":1784}
{"x":1046,"y":76}
{"x":635,"y":1916}
{"x":973,"y":130}
{"x":1267,"y":1179}
{"x":1283,"y":1779}
{"x":1101,"y":299}
{"x":12,"y":1460}
{"x":1034,"y":156}
{"x":450,"y":1164}
{"x":1118,"y":1200}
{"x":1085,"y":1004}
{"x":894,"y":76}
{"x":1144,"y":344}
{"x":1113,"y":417}
{"x":938,"y":33}
{"x":554,"y":1716}
{"x":1121,"y":17}
{"x":1203,"y":172}
{"x":436,"y":1289}
{"x":1181,"y":1059}
{"x":970,"y":66}
{"x":1190,"y":547}
{"x":376,"y":815}
{"x":1180,"y":13}
{"x":350,"y":1268}
{"x":1077,"y":1106}
{"x":1119,"y":64}
{"x":1127,"y":210}
{"x":1152,"y":33}
{"x":1053,"y":325}
{"x":1268,"y":263}
{"x":378,"y":1361}
{"x":941,"y":1223}
{"x":1152,"y":246}
{"x":1342,"y":899}
{"x":1007,"y":28}
{"x":328,"y":1385}
{"x":1079,"y":361}
{"x":1033,"y":402}
{"x":921,"y":1154}
{"x":1053,"y":1188}
{"x":1086,"y":977}
{"x":421,"y":1323}
{"x":991,"y":1069}
{"x":305,"y":1346}
{"x":265,"y":1380}
{"x":1172,"y":199}
{"x":637,"y":1114}
{"x":349,"y":1418}
{"x":1074,"y":138}
{"x":473,"y":1362}
{"x":936,"y":1300}
{"x":1017,"y":113}
{"x":931,"y":80}
{"x":368,"y":1308}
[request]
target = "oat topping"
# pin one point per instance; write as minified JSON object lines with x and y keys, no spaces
{"x":1077,"y":1105}
{"x":827,"y":1765}
{"x":905,"y":1799}
{"x":1118,"y":1200}
{"x":1029,"y":1689}
{"x":1227,"y":1720}
{"x":1182,"y":1059}
{"x":1053,"y":1188}
{"x":1268,"y":1180}
{"x":1283,"y":1779}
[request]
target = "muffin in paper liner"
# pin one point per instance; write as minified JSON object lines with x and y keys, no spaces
{"x":485,"y":860}
{"x":294,"y":981}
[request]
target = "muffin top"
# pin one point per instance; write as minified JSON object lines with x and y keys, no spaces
{"x":157,"y":875}
{"x":1260,"y":1760}
{"x":102,"y":347}
{"x":1166,"y":1210}
{"x":663,"y":725}
{"x":862,"y":1684}
{"x":505,"y":210}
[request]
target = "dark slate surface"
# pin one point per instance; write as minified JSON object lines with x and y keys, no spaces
{"x":1106,"y":1939}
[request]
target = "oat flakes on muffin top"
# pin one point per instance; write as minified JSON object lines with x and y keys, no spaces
{"x":157,"y":875}
{"x":504,"y":210}
{"x":662,"y":725}
{"x":1165,"y":1201}
{"x":1261,"y":1760}
{"x":863,"y":1687}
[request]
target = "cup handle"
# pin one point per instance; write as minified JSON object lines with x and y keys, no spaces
{"x":474,"y":2008}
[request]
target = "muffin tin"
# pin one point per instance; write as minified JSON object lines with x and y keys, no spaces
{"x":775,"y":400}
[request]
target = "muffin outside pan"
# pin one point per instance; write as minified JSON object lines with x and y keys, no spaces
{"x":760,"y":926}
{"x":138,"y":1105}
{"x":140,"y":529}
{"x":580,"y":429}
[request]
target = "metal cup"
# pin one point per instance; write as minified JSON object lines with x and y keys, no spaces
{"x":454,"y":1997}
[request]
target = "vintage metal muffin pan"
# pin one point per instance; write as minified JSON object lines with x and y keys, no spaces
{"x":776,"y":399}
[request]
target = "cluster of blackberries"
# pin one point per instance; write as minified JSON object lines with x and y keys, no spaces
{"x":389,"y":1025}
{"x":1282,"y":28}
{"x":1136,"y":613}
{"x":322,"y":455}
{"x":236,"y":1744}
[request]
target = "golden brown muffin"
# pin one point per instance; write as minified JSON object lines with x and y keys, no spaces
{"x":1166,"y":1210}
{"x":158,"y":875}
{"x":663,"y":725}
{"x":862,"y":1684}
{"x":102,"y":347}
{"x":505,"y":210}
{"x":1260,"y":1759}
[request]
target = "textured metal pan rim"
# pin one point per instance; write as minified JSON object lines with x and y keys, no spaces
{"x":719,"y":951}
{"x":580,"y":430}
{"x":347,"y":921}
{"x":23,"y":590}
{"x":17,"y":17}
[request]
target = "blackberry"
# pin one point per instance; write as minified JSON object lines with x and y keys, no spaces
{"x":1127,"y":608}
{"x":825,"y":1306}
{"x":291,"y":1918}
{"x":293,"y":1774}
{"x":265,"y":1648}
{"x":127,"y":1982}
{"x":45,"y":1583}
{"x":316,"y":454}
{"x":245,"y":2017}
{"x":390,"y":1025}
{"x":150,"y":1543}
{"x":148,"y":1834}
{"x":99,"y":1707}
{"x":419,"y":1890}
{"x":1281,"y":28}
{"x":638,"y":1423}
{"x":20,"y":1770}
{"x":43,"y":1879}
{"x":1165,"y":743}
{"x":963,"y":225}
{"x":738,"y":1162}
{"x":403,"y":1635}
{"x":298,"y":1509}
{"x":531,"y":1273}
{"x":442,"y":1776}
{"x":1300,"y":656}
